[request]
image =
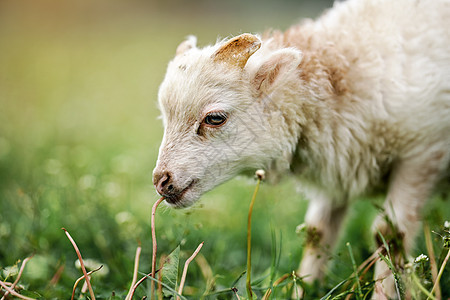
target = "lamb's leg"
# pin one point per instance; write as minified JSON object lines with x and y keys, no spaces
{"x":323,"y":220}
{"x":410,"y":185}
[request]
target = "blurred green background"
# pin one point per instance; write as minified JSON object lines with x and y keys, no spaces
{"x":79,"y":137}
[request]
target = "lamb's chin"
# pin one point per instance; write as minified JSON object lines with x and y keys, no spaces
{"x":185,"y":200}
{"x":191,"y":194}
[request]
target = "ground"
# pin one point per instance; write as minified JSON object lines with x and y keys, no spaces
{"x":79,"y":137}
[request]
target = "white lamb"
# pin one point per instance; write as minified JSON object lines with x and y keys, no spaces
{"x":357,"y":100}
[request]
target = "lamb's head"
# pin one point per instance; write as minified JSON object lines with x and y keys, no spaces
{"x":214,"y":127}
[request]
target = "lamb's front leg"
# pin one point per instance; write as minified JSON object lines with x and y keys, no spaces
{"x":323,"y":220}
{"x":410,"y":185}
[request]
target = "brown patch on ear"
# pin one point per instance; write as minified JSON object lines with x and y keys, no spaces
{"x":186,"y":45}
{"x":265,"y":76}
{"x":282,"y":62}
{"x":237,"y":50}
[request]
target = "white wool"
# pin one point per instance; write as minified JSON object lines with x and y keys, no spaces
{"x":342,"y":103}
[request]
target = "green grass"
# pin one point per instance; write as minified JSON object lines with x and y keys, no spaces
{"x":79,"y":138}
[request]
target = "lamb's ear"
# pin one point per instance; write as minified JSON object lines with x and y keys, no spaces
{"x":236,"y":51}
{"x":273,"y":70}
{"x":186,"y":45}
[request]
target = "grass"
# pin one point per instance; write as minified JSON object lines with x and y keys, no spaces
{"x":79,"y":137}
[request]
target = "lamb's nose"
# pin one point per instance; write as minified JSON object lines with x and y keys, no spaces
{"x":163,"y":183}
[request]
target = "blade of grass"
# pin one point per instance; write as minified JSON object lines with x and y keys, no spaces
{"x":186,"y":265}
{"x":273,"y":263}
{"x":391,"y":266}
{"x":327,"y":296}
{"x":259,"y":280}
{"x":388,"y":260}
{"x":155,"y":206}
{"x":260,"y":176}
{"x":275,"y":255}
{"x":91,"y":292}
{"x":224,"y":291}
{"x":355,"y":270}
{"x":365,"y":267}
{"x":237,"y":279}
{"x":207,"y":274}
{"x":296,"y":291}
{"x":421,"y":287}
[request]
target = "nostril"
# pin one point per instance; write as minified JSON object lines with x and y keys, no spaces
{"x":164,"y":185}
{"x":165,"y":180}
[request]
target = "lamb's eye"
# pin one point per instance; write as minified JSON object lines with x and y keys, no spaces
{"x":215,"y":119}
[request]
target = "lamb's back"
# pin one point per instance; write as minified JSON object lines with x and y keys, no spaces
{"x":398,"y":55}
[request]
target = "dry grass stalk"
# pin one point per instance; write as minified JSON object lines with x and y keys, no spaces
{"x":441,"y":271}
{"x":234,"y":290}
{"x":275,"y":284}
{"x":83,"y":289}
{"x":81,"y":278}
{"x":364,"y":267}
{"x":162,"y":260}
{"x":91,"y":292}
{"x":139,"y":282}
{"x":186,"y":265}
{"x":207,"y":273}
{"x":369,"y":262}
{"x":57,"y":275}
{"x":249,"y":236}
{"x":433,"y":264}
{"x":135,"y":272}
{"x":155,"y":206}
{"x":22,"y":267}
{"x":13,"y":292}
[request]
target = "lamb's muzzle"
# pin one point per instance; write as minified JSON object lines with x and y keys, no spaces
{"x":163,"y":183}
{"x":167,"y":187}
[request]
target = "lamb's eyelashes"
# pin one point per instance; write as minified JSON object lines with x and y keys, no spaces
{"x":215,"y":119}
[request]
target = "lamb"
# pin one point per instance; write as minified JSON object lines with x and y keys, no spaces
{"x":355,"y":101}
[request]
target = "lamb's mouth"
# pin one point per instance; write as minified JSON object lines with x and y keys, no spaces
{"x":176,"y":199}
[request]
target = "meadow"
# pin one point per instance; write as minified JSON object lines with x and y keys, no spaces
{"x":79,"y":137}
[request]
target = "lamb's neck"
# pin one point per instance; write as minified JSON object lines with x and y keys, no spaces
{"x":309,"y":100}
{"x":323,"y":94}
